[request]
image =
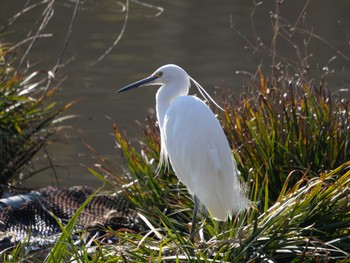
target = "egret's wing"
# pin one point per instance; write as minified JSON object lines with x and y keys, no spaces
{"x":201,"y":157}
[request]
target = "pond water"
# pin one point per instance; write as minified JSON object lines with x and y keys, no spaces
{"x":196,"y":35}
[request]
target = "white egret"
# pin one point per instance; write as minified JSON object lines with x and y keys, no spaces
{"x":194,"y":142}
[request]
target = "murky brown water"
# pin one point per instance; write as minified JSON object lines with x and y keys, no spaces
{"x":196,"y":35}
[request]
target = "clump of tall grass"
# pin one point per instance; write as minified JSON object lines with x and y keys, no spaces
{"x":304,"y":217}
{"x":284,"y":132}
{"x":292,"y":146}
{"x":26,"y":117}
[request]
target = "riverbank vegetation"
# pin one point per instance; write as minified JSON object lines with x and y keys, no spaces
{"x":291,"y":138}
{"x":292,"y":148}
{"x":27,"y":118}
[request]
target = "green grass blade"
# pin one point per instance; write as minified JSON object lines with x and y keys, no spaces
{"x":59,"y":251}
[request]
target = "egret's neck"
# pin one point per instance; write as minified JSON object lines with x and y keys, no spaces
{"x":166,"y":94}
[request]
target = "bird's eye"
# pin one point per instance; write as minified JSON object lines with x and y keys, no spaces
{"x":159,"y":74}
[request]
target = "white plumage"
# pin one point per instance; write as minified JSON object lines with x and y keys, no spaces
{"x":194,"y":142}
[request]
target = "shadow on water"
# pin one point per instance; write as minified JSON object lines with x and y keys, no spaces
{"x":197,"y":35}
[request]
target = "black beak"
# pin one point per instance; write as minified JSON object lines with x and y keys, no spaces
{"x":137,"y":84}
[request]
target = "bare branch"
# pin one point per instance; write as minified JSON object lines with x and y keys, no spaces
{"x":46,"y":16}
{"x":69,"y":32}
{"x":24,"y":10}
{"x":303,"y":31}
{"x":126,"y":10}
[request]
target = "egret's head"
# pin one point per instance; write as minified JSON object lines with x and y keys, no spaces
{"x":168,"y":74}
{"x":165,"y":75}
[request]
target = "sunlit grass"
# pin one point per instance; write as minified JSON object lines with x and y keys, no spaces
{"x":292,"y":146}
{"x":65,"y":246}
{"x":290,"y":137}
{"x":26,"y":117}
{"x":291,"y":142}
{"x":283,"y":133}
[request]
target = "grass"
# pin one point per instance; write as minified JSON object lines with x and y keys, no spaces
{"x":59,"y":251}
{"x":26,"y":118}
{"x":27,"y":123}
{"x":285,"y":132}
{"x":290,"y":137}
{"x":292,"y":148}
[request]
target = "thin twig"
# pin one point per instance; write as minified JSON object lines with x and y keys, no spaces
{"x":300,"y":16}
{"x":253,"y":23}
{"x":26,"y":9}
{"x":159,"y":8}
{"x":69,"y":32}
{"x":325,"y":42}
{"x":126,"y":10}
{"x":27,"y":39}
{"x":233,"y":26}
{"x":47,"y":14}
{"x":51,"y":164}
{"x":276,"y":25}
